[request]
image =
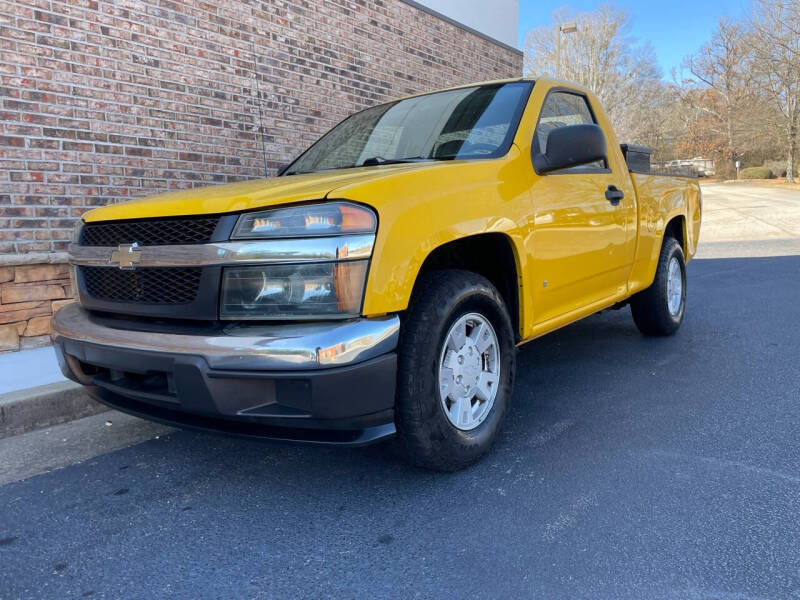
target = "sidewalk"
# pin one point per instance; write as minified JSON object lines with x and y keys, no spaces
{"x":34,"y":394}
{"x":28,"y":368}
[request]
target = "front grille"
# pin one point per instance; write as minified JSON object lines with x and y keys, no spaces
{"x":150,"y":232}
{"x":157,"y":285}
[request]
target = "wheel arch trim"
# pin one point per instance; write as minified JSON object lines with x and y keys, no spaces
{"x":512,"y":289}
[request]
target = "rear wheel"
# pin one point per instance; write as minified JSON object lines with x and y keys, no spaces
{"x":659,"y":309}
{"x":456,"y":370}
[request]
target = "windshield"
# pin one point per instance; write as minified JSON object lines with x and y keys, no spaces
{"x":473,"y":122}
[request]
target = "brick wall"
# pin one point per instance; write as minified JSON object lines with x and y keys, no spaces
{"x":101,"y":101}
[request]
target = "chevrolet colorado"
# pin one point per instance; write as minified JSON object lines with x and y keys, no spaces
{"x":379,"y":286}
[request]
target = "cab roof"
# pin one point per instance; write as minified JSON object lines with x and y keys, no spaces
{"x":529,"y":78}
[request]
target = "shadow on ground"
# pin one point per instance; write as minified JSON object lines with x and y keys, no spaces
{"x":629,"y":467}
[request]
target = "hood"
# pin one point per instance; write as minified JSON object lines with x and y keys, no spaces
{"x":246,"y":195}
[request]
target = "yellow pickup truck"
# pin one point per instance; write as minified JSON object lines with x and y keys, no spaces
{"x":379,"y":286}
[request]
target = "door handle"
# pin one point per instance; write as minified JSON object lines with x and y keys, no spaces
{"x":614,"y":195}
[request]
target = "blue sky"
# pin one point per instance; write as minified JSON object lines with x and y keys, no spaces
{"x":675,"y":28}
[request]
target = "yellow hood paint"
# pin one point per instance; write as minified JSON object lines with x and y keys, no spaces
{"x":245,"y":195}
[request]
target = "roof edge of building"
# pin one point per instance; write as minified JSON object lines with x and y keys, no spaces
{"x":460,"y":25}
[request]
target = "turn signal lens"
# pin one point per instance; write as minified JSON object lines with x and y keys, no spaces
{"x":356,"y":218}
{"x":332,"y":218}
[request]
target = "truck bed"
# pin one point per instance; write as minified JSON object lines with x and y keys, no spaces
{"x":658,"y":198}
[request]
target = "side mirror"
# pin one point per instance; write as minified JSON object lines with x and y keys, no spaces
{"x":571,"y":146}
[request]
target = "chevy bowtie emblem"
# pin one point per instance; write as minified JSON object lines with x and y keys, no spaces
{"x":127,"y":256}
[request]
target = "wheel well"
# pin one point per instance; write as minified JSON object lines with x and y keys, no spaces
{"x":489,"y":255}
{"x":675,"y":229}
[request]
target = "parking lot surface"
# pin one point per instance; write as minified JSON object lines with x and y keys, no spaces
{"x":630,"y":467}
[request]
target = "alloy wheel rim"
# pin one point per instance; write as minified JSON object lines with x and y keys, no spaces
{"x":674,"y":287}
{"x":469,"y":371}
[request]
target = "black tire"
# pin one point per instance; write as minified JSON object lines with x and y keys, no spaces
{"x":650,"y":307}
{"x":425,"y":435}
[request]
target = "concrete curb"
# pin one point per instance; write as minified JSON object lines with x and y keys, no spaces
{"x":43,"y":406}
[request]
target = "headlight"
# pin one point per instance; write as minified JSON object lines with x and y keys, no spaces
{"x":311,"y":290}
{"x":298,"y":291}
{"x":332,"y":218}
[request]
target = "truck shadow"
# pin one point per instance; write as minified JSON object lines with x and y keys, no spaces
{"x":583,"y":371}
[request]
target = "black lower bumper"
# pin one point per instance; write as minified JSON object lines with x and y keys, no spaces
{"x":351,"y":405}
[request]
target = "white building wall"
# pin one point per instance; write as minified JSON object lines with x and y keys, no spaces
{"x":497,"y":19}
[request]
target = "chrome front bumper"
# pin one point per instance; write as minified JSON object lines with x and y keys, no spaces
{"x":324,"y":382}
{"x":284,"y":347}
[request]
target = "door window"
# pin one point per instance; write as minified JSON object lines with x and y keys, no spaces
{"x":562,"y":109}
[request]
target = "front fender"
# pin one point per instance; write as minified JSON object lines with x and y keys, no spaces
{"x":420,"y":210}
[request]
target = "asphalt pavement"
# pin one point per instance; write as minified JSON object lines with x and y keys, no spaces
{"x":630,"y":467}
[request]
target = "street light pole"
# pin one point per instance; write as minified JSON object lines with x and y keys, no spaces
{"x":570,"y":27}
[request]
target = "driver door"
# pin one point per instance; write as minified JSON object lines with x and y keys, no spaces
{"x":582,"y":246}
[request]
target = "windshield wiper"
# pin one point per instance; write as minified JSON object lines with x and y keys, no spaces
{"x":373,"y":161}
{"x":379,"y":160}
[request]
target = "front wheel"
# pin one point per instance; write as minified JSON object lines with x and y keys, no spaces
{"x":455,"y":372}
{"x":659,"y":309}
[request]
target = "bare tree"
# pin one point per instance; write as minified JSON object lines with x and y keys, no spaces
{"x":775,"y":44}
{"x":602,"y":56}
{"x":723,"y":66}
{"x":741,"y":95}
{"x":790,"y":9}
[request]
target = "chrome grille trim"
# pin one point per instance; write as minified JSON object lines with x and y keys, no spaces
{"x":352,"y":247}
